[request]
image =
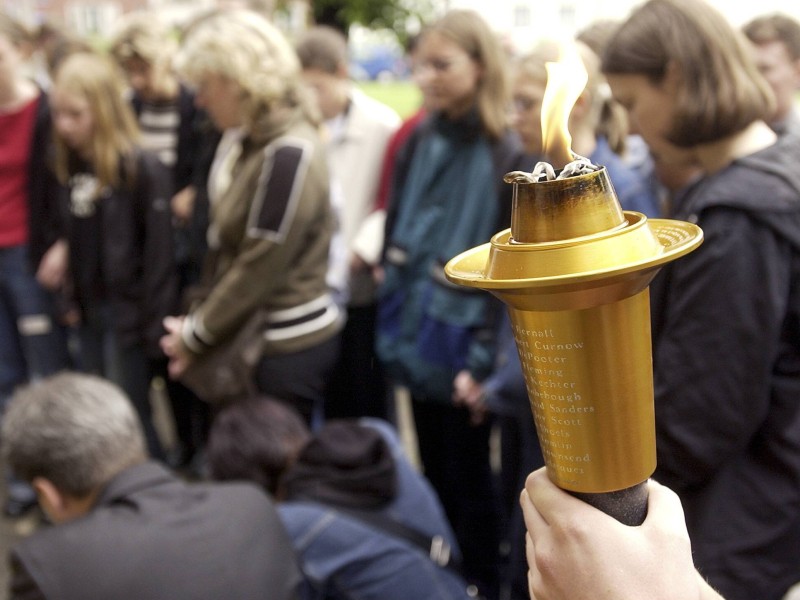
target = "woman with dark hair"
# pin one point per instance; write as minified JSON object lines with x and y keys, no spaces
{"x":726,"y":318}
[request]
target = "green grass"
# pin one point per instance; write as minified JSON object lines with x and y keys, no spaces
{"x":403,"y":96}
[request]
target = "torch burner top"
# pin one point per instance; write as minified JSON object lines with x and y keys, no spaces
{"x":544,"y":171}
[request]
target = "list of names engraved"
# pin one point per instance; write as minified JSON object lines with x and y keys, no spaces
{"x":561,"y":407}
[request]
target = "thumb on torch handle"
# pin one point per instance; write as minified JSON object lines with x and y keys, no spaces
{"x":628,"y":506}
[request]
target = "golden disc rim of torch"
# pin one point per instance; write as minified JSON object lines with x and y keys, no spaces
{"x":642,"y":244}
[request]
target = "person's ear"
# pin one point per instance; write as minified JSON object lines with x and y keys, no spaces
{"x":59,"y":506}
{"x":51,"y":500}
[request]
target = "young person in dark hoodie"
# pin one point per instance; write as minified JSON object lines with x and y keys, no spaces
{"x":355,"y":509}
{"x":726,"y":318}
{"x":172,"y":127}
{"x":183,"y":138}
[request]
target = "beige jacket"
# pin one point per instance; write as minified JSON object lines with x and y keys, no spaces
{"x":271,"y":227}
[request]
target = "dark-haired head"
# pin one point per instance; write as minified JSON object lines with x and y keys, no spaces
{"x":720,"y":91}
{"x":256,"y":440}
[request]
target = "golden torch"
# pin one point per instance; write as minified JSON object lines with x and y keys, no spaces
{"x":574,"y":270}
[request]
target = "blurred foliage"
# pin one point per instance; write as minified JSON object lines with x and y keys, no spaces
{"x":403,"y":17}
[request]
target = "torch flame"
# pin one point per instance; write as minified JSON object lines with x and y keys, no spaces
{"x":566,"y":80}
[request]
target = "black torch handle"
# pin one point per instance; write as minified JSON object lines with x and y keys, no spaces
{"x":628,"y":506}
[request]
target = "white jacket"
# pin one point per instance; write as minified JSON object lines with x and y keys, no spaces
{"x":355,"y":154}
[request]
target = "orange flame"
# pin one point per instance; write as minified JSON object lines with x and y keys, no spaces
{"x":566,"y":80}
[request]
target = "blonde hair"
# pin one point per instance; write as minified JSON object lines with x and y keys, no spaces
{"x":15,"y":31}
{"x":609,"y":117}
{"x":470,"y":32}
{"x":143,"y":36}
{"x":242,"y":46}
{"x":115,"y":131}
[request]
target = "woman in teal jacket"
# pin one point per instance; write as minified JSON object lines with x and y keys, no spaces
{"x":448,"y":195}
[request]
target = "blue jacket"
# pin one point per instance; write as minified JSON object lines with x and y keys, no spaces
{"x":342,"y":557}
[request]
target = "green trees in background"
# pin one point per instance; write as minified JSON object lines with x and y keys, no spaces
{"x":400,"y":16}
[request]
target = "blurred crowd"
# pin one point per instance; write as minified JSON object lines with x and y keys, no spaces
{"x":221,"y":211}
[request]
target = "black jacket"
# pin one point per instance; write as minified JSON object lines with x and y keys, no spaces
{"x":134,"y":241}
{"x":726,"y":341}
{"x":151,"y":536}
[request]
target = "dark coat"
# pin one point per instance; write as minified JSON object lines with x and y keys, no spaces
{"x":726,"y":343}
{"x":136,"y":260}
{"x":153,"y":536}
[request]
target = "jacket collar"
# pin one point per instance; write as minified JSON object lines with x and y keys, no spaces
{"x":133,"y":479}
{"x":273,"y":124}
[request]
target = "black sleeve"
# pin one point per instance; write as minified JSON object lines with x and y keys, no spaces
{"x":197,"y":140}
{"x":154,"y":191}
{"x":45,"y":221}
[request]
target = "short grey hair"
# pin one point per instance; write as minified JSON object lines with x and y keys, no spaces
{"x":78,"y":431}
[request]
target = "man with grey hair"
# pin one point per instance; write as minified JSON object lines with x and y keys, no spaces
{"x":124,"y":526}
